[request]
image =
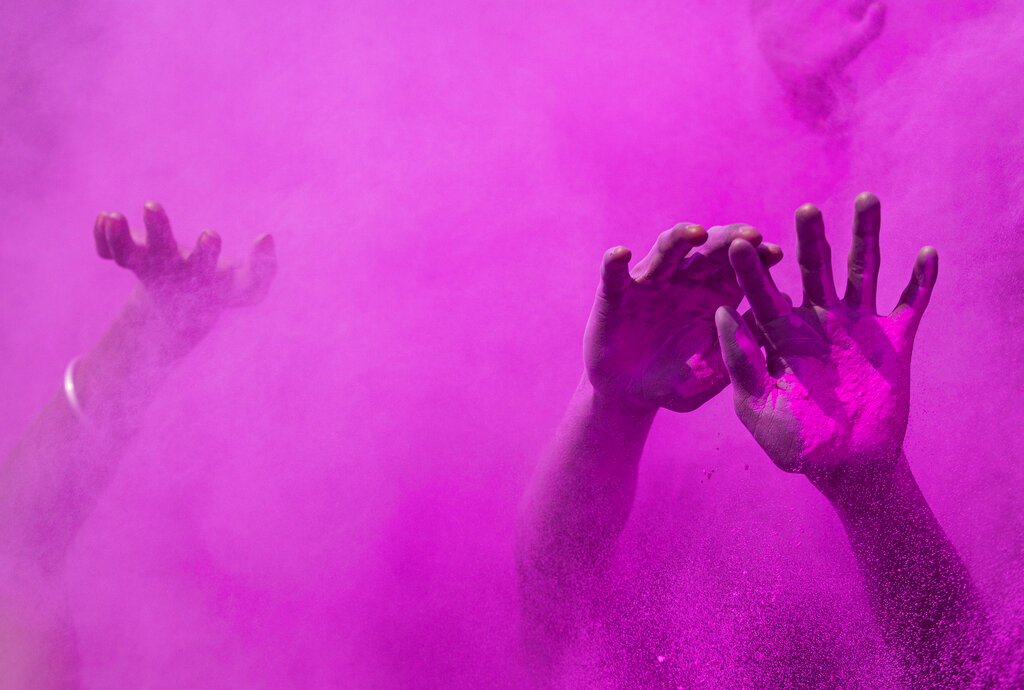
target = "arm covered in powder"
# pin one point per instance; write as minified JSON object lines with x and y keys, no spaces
{"x":649,"y":343}
{"x":831,"y":401}
{"x":54,"y":475}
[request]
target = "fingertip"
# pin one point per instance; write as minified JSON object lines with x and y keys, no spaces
{"x":615,"y":262}
{"x":866,"y":201}
{"x":617,"y":255}
{"x":206,"y":253}
{"x":99,"y":234}
{"x":807,"y":213}
{"x":615,"y":269}
{"x":264,"y":258}
{"x":725,"y":319}
{"x":750,"y":234}
{"x":117,"y":228}
{"x":153,"y":214}
{"x":119,"y":239}
{"x":741,"y":251}
{"x":689,"y":233}
{"x":209,"y":242}
{"x":695,"y":234}
{"x":928,"y":265}
{"x":771,"y":254}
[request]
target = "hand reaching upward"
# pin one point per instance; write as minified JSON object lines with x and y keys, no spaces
{"x":809,"y":43}
{"x":54,"y":475}
{"x":188,"y":290}
{"x":831,"y":399}
{"x":650,"y":340}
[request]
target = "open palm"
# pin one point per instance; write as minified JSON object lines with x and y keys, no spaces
{"x":830,"y":395}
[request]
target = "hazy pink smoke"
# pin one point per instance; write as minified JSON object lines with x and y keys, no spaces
{"x":324,"y":494}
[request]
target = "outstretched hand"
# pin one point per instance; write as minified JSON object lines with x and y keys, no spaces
{"x":809,"y":43}
{"x":650,"y":340}
{"x":831,"y":399}
{"x":187,"y":290}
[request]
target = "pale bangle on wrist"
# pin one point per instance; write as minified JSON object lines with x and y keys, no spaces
{"x":72,"y":396}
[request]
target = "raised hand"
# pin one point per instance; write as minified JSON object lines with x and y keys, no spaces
{"x":831,"y":399}
{"x":809,"y":43}
{"x":56,"y":472}
{"x":187,"y":289}
{"x":650,"y":340}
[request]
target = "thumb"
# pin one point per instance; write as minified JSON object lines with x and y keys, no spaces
{"x":742,"y":356}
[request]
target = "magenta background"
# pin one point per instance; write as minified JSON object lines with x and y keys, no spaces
{"x":324,"y":494}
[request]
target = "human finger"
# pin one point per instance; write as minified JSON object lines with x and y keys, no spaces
{"x":122,"y":245}
{"x":865,"y":257}
{"x":765,"y":299}
{"x":814,"y":256}
{"x":259,"y":274}
{"x":615,"y":271}
{"x":713,"y":256}
{"x":99,"y":235}
{"x":918,"y":292}
{"x":771,"y":254}
{"x":159,"y":239}
{"x":741,"y":354}
{"x":720,"y":238}
{"x":671,"y":248}
{"x":203,"y":259}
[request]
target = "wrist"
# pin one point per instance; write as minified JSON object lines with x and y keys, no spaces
{"x":152,"y":331}
{"x":615,"y":405}
{"x":117,"y":377}
{"x":881,"y":486}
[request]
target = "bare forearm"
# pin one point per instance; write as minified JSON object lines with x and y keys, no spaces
{"x":582,"y":491}
{"x":575,"y":508}
{"x":919,"y":588}
{"x":52,"y":478}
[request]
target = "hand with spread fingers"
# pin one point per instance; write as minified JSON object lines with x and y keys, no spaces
{"x":188,"y":289}
{"x":830,"y":396}
{"x":650,"y":340}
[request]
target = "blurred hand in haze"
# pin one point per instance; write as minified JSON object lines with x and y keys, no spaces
{"x":651,"y":341}
{"x":829,"y":398}
{"x":52,"y":478}
{"x":186,"y":290}
{"x":809,"y":43}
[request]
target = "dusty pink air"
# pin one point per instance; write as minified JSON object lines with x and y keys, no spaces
{"x":312,"y":453}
